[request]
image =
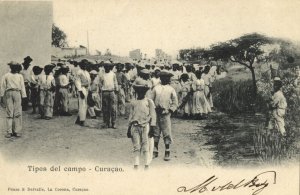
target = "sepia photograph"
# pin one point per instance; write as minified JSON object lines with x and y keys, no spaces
{"x":150,"y":97}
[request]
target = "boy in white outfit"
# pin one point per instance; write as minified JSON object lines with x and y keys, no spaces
{"x":142,"y":120}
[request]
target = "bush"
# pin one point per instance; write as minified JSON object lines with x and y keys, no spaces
{"x":235,"y":97}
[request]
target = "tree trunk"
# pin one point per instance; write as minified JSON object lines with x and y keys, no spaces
{"x":253,"y":83}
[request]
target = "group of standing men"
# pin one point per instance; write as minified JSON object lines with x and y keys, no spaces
{"x":155,"y":92}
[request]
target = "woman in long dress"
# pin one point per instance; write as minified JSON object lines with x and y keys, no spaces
{"x":200,"y":105}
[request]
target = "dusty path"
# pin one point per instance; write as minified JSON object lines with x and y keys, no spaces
{"x":61,"y":141}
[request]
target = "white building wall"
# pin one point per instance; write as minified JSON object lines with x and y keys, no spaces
{"x":26,"y":30}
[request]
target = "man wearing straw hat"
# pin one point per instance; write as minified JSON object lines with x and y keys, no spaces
{"x":142,"y":120}
{"x":12,"y":91}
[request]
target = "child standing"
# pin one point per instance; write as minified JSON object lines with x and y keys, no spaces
{"x":166,"y":102}
{"x":11,"y":92}
{"x":93,"y":99}
{"x":142,"y":120}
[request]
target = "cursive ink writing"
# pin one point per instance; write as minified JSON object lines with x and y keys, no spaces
{"x":257,"y":183}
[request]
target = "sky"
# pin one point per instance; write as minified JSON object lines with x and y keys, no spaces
{"x":124,"y":25}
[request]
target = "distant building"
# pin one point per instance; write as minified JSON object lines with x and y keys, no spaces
{"x":69,"y":51}
{"x":135,"y":54}
{"x":160,"y":55}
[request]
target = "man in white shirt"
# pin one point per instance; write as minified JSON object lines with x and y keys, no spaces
{"x":109,"y":87}
{"x":63,"y":91}
{"x":82,"y":84}
{"x":47,"y":88}
{"x":166,"y":102}
{"x":11,"y":93}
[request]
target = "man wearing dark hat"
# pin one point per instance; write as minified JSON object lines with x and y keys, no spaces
{"x":47,"y":88}
{"x":82,"y":84}
{"x":166,"y":102}
{"x":142,"y":120}
{"x":122,"y":82}
{"x":12,"y":91}
{"x":277,"y":106}
{"x":109,"y":88}
{"x":26,"y":73}
{"x":34,"y":87}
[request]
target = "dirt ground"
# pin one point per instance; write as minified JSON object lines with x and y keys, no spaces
{"x":221,"y":140}
{"x":61,"y":141}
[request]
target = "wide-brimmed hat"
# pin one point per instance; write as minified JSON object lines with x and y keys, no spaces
{"x":28,"y":58}
{"x":184,"y":76}
{"x":107,"y":63}
{"x":84,"y":62}
{"x":49,"y":67}
{"x":145,"y":71}
{"x":37,"y":70}
{"x":93,"y":72}
{"x":13,"y":63}
{"x":59,"y":64}
{"x":277,"y":81}
{"x":119,"y":64}
{"x":140,"y":84}
{"x":165,"y":74}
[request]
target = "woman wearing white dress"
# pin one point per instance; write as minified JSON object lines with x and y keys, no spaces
{"x":200,"y":105}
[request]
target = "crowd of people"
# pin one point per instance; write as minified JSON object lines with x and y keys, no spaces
{"x":155,"y":93}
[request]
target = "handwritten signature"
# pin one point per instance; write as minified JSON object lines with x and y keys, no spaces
{"x":257,"y":183}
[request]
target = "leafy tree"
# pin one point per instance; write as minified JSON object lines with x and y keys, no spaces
{"x":243,"y":50}
{"x":58,"y":37}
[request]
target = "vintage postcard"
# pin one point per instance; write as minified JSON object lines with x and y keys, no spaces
{"x":150,"y":97}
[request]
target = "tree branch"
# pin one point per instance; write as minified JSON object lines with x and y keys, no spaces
{"x":240,"y":62}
